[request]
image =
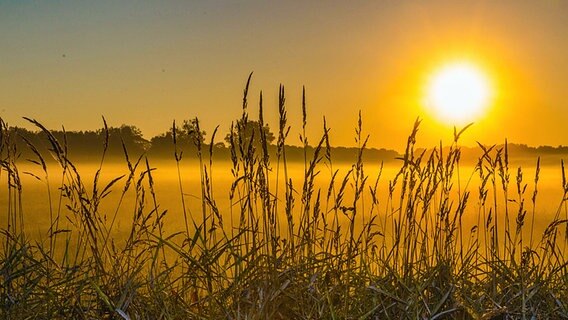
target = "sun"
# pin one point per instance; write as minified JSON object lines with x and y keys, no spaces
{"x":458,"y":93}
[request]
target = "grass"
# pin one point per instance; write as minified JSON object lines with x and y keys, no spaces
{"x":291,"y":250}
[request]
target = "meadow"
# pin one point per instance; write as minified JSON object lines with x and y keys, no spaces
{"x":258,"y":236}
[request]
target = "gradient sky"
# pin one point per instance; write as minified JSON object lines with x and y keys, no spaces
{"x":149,"y":62}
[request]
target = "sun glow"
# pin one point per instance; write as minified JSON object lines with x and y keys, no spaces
{"x":458,"y":93}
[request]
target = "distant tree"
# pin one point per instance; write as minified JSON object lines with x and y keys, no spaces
{"x":129,"y":134}
{"x":88,"y":144}
{"x":187,"y":137}
{"x":162,"y":144}
{"x":191,"y":131}
{"x":248,"y":131}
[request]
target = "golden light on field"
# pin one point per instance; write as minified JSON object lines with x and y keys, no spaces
{"x":458,"y":93}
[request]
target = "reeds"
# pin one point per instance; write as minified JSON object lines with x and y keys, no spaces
{"x":327,"y":245}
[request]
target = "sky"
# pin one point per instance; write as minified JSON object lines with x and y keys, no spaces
{"x":146,"y":63}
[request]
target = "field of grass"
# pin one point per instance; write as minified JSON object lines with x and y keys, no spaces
{"x":290,"y":249}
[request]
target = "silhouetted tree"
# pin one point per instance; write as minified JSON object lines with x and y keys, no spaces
{"x":187,"y":137}
{"x":163,"y":143}
{"x":89,"y":143}
{"x":129,"y":134}
{"x":244,"y":132}
{"x":192,"y":131}
{"x":219,"y":145}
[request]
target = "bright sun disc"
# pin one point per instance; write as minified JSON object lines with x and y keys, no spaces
{"x":458,"y":93}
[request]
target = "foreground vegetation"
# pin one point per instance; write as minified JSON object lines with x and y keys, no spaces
{"x":287,"y":249}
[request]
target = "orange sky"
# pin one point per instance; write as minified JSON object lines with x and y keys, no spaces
{"x":147,"y":63}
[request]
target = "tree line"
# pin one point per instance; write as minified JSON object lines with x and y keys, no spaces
{"x":185,"y":138}
{"x":188,"y":136}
